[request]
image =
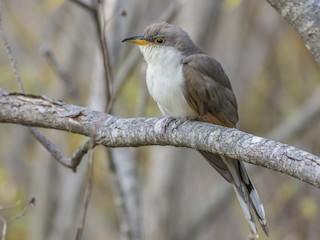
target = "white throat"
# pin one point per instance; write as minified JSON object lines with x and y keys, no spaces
{"x":165,"y":80}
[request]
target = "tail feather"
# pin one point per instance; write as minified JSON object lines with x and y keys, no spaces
{"x":247,"y":211}
{"x":235,"y":173}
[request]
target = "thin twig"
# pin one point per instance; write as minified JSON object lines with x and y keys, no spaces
{"x":32,"y":201}
{"x":13,"y":63}
{"x":88,"y":190}
{"x":101,"y":21}
{"x":52,"y":148}
{"x":79,"y":153}
{"x":15,"y":218}
{"x":72,"y":162}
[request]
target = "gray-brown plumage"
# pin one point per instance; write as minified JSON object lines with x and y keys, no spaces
{"x":187,"y":83}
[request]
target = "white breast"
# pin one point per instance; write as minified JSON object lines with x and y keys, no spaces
{"x":165,"y":81}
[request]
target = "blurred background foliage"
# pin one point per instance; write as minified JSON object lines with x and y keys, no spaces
{"x":274,"y":77}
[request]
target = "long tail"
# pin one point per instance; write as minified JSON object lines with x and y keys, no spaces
{"x":235,"y":173}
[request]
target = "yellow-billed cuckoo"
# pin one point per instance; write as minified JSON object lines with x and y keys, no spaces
{"x":187,"y":83}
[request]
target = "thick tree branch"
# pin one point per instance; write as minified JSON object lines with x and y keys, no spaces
{"x":304,"y":17}
{"x":110,"y":131}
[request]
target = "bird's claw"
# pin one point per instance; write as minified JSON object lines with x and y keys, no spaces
{"x":171,"y":121}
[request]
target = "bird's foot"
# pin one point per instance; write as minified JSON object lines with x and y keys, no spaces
{"x":177,"y":123}
{"x":167,"y":123}
{"x":174,"y":122}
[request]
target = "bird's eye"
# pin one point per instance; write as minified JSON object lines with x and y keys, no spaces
{"x":159,"y":40}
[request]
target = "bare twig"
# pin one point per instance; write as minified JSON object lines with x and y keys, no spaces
{"x":15,"y":218}
{"x":88,"y":190}
{"x":72,"y":162}
{"x":79,"y":153}
{"x":101,"y":22}
{"x":53,"y":149}
{"x":24,"y":211}
{"x":13,"y":63}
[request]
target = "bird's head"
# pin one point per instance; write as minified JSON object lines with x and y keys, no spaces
{"x":162,"y":40}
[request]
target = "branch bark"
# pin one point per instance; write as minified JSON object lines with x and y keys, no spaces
{"x":110,"y":131}
{"x":304,"y":17}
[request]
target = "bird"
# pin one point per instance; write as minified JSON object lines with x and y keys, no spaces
{"x":186,"y":83}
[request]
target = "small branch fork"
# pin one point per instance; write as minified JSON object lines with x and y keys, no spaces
{"x":75,"y":159}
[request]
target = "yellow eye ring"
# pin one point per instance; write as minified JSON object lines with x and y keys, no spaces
{"x":159,"y":40}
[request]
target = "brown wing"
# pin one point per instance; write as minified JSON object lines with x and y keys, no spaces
{"x":208,"y":91}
